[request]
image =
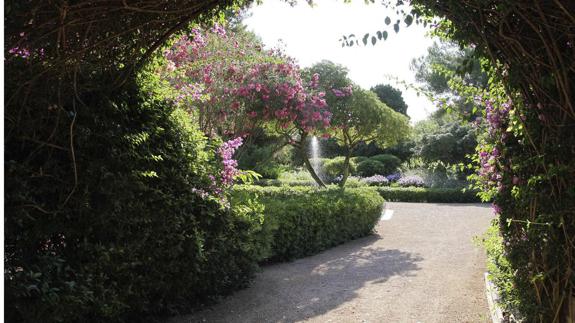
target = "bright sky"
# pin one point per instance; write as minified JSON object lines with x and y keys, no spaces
{"x":311,"y":34}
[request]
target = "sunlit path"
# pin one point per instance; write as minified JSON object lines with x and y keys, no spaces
{"x":421,"y":266}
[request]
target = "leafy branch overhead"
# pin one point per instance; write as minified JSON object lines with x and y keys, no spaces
{"x":408,"y":18}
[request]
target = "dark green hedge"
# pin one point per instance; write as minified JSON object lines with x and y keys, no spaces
{"x":430,"y":195}
{"x":134,"y":239}
{"x":305,"y":220}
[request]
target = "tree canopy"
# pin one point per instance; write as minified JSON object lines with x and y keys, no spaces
{"x":391,"y":96}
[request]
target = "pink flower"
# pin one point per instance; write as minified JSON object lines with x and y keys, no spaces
{"x":496,"y":208}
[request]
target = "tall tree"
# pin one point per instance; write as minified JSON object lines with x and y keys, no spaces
{"x":391,"y":96}
{"x":453,"y":76}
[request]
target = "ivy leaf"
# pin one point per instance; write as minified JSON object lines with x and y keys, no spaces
{"x":384,"y":34}
{"x":387,"y":20}
{"x":408,"y":20}
{"x":365,"y":37}
{"x":373,"y":40}
{"x":396,"y":28}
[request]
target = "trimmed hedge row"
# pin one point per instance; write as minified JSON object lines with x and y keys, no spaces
{"x":305,"y":220}
{"x":429,"y":195}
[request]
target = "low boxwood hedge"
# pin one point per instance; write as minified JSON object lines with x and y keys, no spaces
{"x":306,"y":220}
{"x":430,"y":195}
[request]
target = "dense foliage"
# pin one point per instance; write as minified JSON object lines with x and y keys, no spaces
{"x":450,"y":143}
{"x":391,"y":97}
{"x":336,"y":166}
{"x":305,"y":220}
{"x":390,"y":162}
{"x":145,"y":231}
{"x":527,"y":155}
{"x":110,"y":211}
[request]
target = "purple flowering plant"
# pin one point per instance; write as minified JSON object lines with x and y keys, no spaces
{"x":412,"y":180}
{"x":376,"y":180}
{"x":393,"y":177}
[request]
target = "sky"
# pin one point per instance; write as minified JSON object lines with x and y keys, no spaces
{"x":311,"y":34}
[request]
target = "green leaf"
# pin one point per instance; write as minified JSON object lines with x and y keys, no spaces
{"x":387,"y":20}
{"x":379,"y":35}
{"x":408,"y":20}
{"x":365,"y":37}
{"x":396,"y":28}
{"x":373,"y":40}
{"x":384,"y":34}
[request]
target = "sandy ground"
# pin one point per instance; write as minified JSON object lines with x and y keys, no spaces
{"x":420,"y":266}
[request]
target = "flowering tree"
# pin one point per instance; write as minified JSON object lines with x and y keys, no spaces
{"x":231,"y":85}
{"x":358,"y":115}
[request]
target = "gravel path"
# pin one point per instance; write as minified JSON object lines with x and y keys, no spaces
{"x":420,"y":266}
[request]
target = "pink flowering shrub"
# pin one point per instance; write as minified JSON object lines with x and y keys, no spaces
{"x":231,"y":85}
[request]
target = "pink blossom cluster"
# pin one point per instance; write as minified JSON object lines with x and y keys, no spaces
{"x":238,"y":84}
{"x":20,"y":52}
{"x":186,"y":48}
{"x":226,"y":152}
{"x":496,"y":116}
{"x":218,"y":30}
{"x":314,"y":83}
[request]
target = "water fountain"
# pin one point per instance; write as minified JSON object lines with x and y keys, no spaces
{"x":315,"y":159}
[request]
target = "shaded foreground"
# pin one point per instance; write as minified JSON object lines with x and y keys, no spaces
{"x":420,"y":266}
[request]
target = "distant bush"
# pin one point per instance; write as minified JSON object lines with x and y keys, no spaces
{"x":359,"y":159}
{"x":264,"y":158}
{"x":352,"y":181}
{"x":429,"y":195}
{"x":390,"y":162}
{"x":335,"y":167}
{"x":412,"y":180}
{"x":285,"y":182}
{"x":370,"y":167}
{"x":305,"y":220}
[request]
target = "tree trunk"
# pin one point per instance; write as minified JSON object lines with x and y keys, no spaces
{"x":346,"y":166}
{"x":348,"y":148}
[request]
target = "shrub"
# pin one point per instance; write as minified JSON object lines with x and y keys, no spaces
{"x":412,"y":180}
{"x":284,"y":182}
{"x":501,"y":273}
{"x":390,"y":162}
{"x":352,"y":181}
{"x":335,"y":167}
{"x":359,"y":159}
{"x":378,"y":180}
{"x":370,"y":167}
{"x":429,"y":195}
{"x":306,"y":220}
{"x":134,"y":236}
{"x":264,"y":159}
